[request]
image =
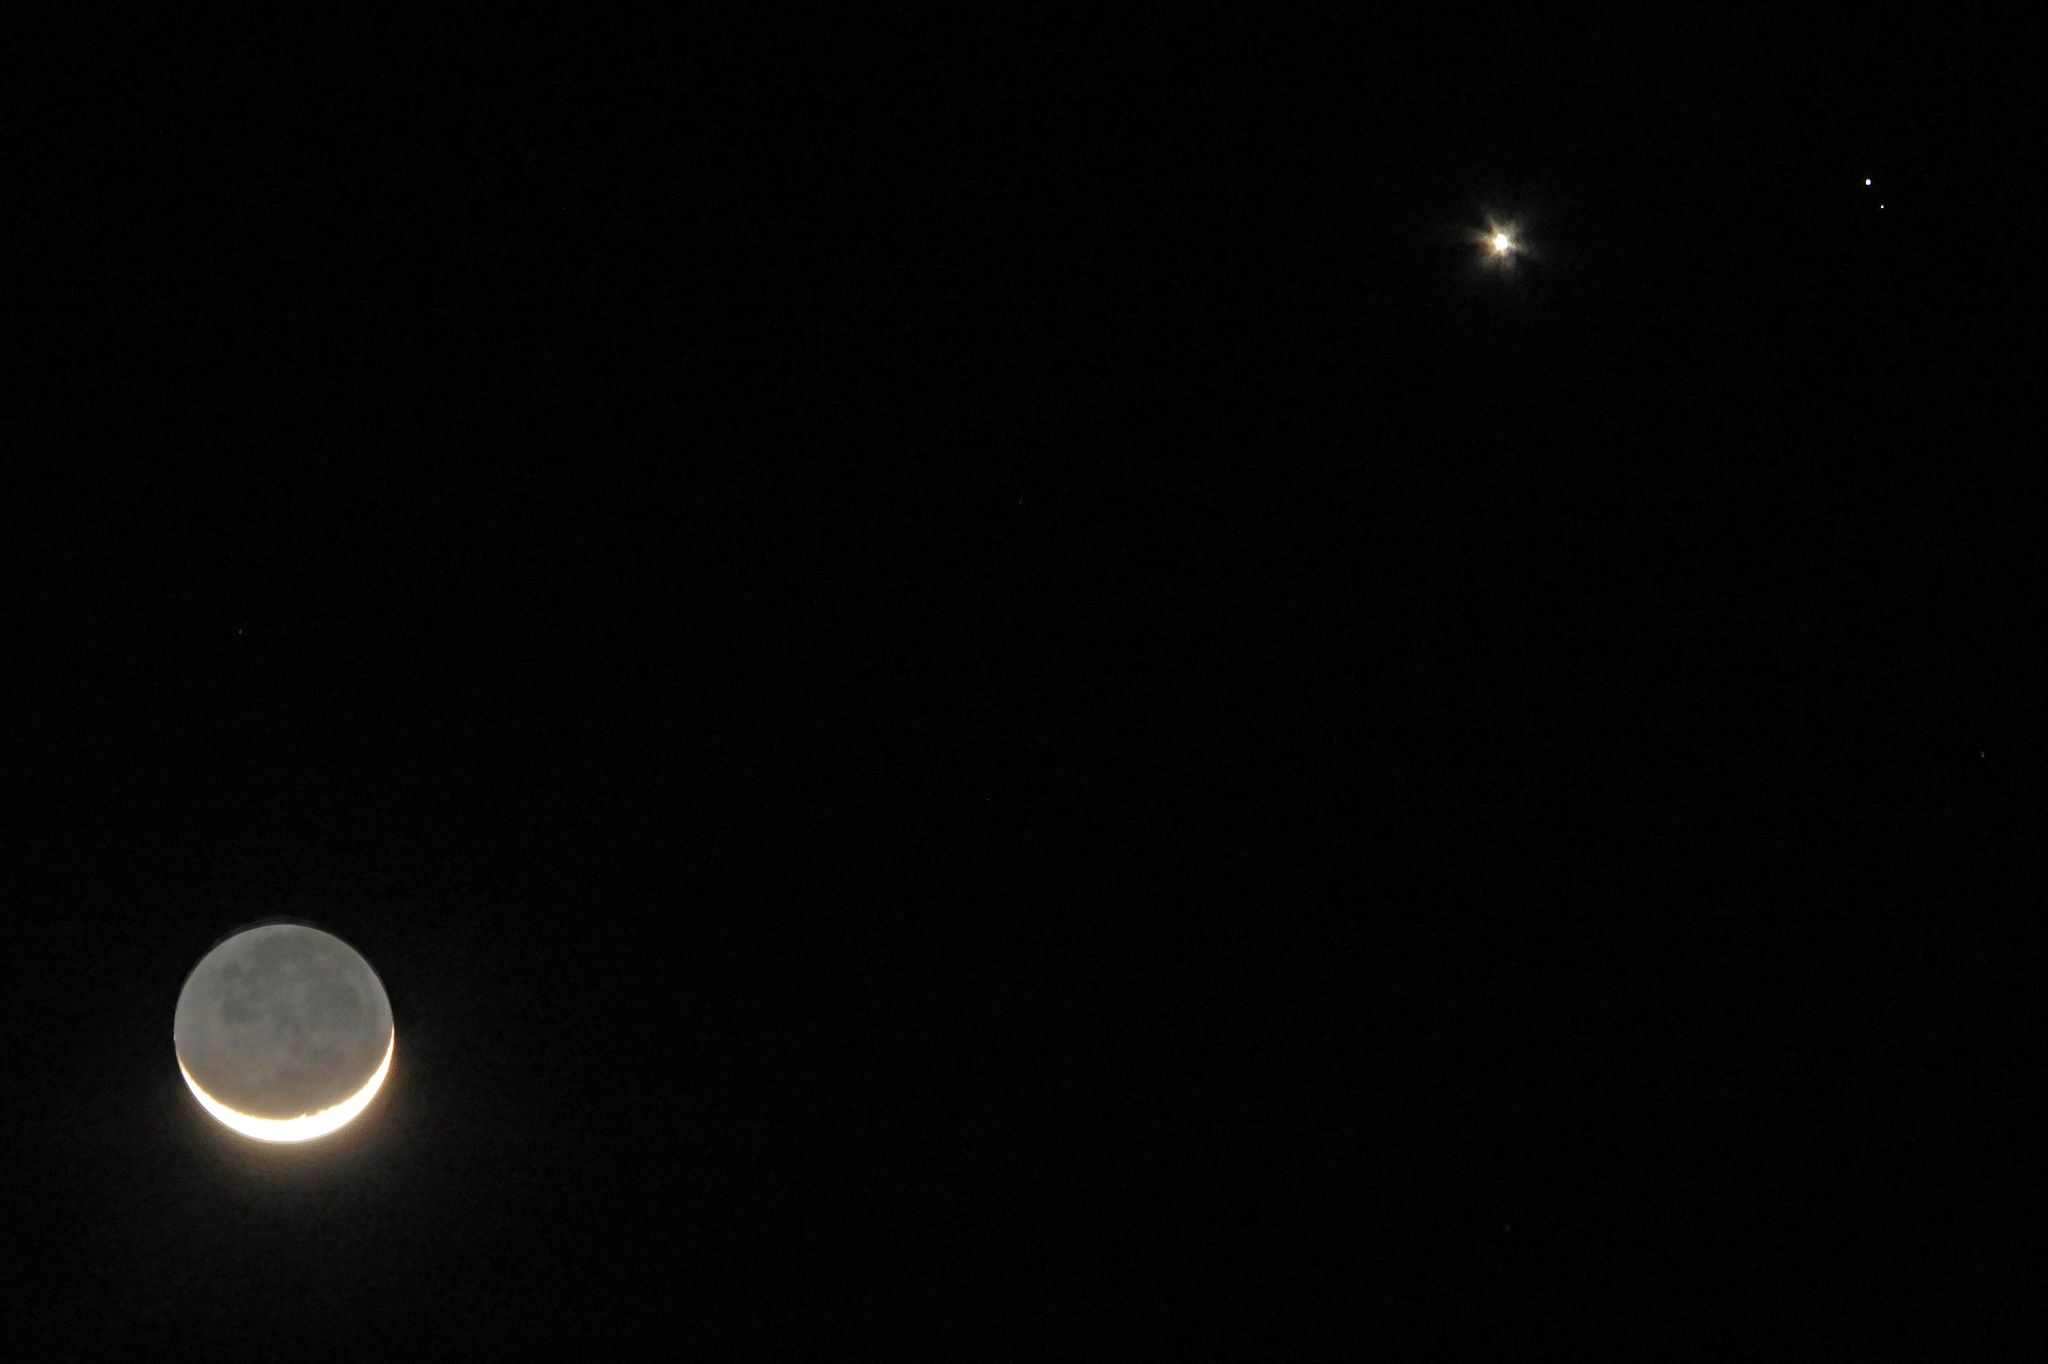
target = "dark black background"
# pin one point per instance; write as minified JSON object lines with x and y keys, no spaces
{"x":973,"y":683}
{"x":738,"y":569}
{"x":1709,"y":543}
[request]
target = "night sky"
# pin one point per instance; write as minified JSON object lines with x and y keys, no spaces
{"x":984,"y":685}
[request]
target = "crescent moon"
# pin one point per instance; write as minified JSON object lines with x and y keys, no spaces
{"x":277,"y":1033}
{"x":306,"y":1126}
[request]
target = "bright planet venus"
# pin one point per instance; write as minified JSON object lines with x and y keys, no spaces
{"x":284,"y":1032}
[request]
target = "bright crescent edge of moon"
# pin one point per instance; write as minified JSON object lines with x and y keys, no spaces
{"x":306,"y":1126}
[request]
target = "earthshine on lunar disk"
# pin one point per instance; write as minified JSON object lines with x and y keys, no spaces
{"x":284,"y":1033}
